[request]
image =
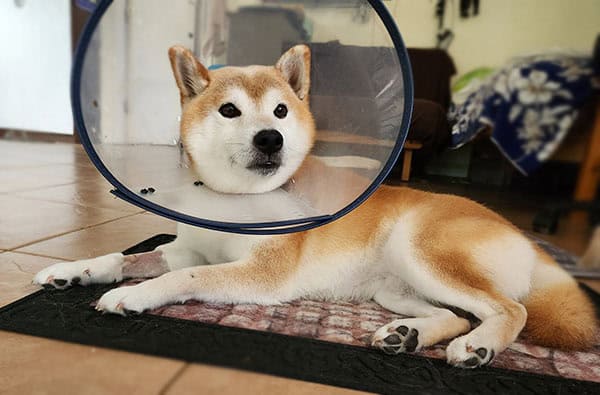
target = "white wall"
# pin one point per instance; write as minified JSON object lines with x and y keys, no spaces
{"x":139,"y":101}
{"x":35,"y":48}
{"x":503,"y":29}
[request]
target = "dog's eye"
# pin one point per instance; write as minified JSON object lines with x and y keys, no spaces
{"x":228,"y":110}
{"x":281,"y":111}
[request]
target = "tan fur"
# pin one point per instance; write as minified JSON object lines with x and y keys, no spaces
{"x":561,"y":317}
{"x":259,"y":270}
{"x":180,"y":55}
{"x":297,"y":74}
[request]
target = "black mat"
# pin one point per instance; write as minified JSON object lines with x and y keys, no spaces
{"x":67,"y":315}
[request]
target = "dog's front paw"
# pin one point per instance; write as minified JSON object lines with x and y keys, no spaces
{"x":130,"y":300}
{"x":463,"y":352}
{"x":104,"y":269}
{"x":396,"y":337}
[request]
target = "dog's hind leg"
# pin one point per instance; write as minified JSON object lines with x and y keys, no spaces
{"x":430,"y":326}
{"x":502,"y":319}
{"x":484,"y":279}
{"x":116,"y":267}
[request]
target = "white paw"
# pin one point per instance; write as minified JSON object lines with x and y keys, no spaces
{"x":131,"y":299}
{"x":468,"y":352}
{"x":396,"y":337}
{"x":102,"y":270}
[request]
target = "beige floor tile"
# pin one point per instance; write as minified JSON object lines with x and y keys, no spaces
{"x":207,"y":380}
{"x":16,"y":272}
{"x":26,"y":178}
{"x":103,"y":239}
{"x":32,"y":365}
{"x":27,"y":166}
{"x":90,"y":194}
{"x":26,"y":220}
{"x":27,"y":154}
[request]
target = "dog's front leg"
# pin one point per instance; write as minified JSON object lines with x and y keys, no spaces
{"x":102,"y":270}
{"x":116,"y":267}
{"x":235,"y":282}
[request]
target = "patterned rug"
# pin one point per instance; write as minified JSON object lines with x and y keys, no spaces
{"x":317,"y":341}
{"x":354,"y":323}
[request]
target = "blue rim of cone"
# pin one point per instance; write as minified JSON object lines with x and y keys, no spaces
{"x":261,"y":228}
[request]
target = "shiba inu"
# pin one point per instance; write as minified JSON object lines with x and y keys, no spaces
{"x":419,"y":254}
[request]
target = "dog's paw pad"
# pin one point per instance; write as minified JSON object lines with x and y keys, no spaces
{"x":472,"y":362}
{"x":403,"y":330}
{"x":393,"y":340}
{"x":481,"y":352}
{"x":130,"y":312}
{"x":397,"y":339}
{"x":52,"y":283}
{"x":463,"y":355}
{"x":479,"y":359}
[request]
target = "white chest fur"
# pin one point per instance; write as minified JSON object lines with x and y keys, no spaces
{"x":216,"y":247}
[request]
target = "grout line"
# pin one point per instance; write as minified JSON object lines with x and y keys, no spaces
{"x":42,"y":255}
{"x":30,"y":189}
{"x":70,"y":231}
{"x":174,"y":378}
{"x":21,"y":269}
{"x":17,"y":193}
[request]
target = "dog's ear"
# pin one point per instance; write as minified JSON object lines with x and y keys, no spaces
{"x":191,"y":76}
{"x":294,"y":65}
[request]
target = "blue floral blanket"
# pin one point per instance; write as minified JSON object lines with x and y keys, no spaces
{"x":529,"y":106}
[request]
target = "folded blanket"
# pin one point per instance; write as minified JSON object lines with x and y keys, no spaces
{"x":529,"y":106}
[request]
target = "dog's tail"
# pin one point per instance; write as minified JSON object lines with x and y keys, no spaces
{"x":559,"y":313}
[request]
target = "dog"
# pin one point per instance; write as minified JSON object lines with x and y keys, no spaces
{"x":419,"y":254}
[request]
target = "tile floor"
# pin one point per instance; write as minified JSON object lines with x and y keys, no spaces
{"x":55,"y":206}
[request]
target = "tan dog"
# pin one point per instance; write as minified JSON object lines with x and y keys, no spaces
{"x":248,"y":130}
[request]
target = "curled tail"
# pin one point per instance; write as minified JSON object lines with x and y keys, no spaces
{"x":559,"y":314}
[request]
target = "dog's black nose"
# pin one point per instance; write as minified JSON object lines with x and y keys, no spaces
{"x":268,"y":141}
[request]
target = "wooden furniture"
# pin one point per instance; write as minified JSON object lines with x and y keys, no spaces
{"x":408,"y":149}
{"x":344,"y":138}
{"x":589,"y":174}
